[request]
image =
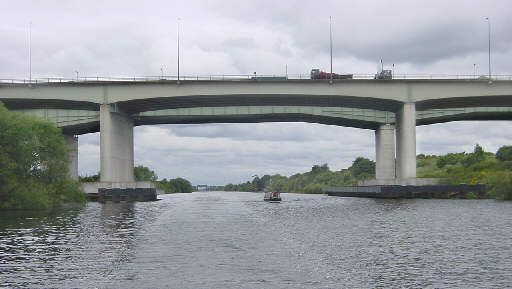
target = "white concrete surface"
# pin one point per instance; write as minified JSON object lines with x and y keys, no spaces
{"x":72,"y":142}
{"x":385,"y":152}
{"x":116,"y":145}
{"x":406,"y":141}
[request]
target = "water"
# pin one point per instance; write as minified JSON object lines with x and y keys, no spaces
{"x":235,"y":240}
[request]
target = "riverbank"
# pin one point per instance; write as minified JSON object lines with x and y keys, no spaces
{"x":478,"y":167}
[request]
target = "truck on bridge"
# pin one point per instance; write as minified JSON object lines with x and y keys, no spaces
{"x":318,"y":74}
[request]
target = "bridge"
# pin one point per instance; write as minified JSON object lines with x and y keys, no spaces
{"x":392,"y":108}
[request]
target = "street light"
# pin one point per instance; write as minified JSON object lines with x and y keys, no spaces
{"x":76,"y":71}
{"x":330,"y":44}
{"x":474,"y":70}
{"x":178,"y":24}
{"x":489,"y":37}
{"x":30,"y":52}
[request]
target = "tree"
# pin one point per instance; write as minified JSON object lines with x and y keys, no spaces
{"x":143,"y":173}
{"x":477,"y":156}
{"x":90,"y":179}
{"x":363,"y":168}
{"x":181,"y":185}
{"x":504,"y":153}
{"x":318,"y":169}
{"x":33,"y":164}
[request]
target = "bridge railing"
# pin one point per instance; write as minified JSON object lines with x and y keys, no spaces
{"x":237,"y":77}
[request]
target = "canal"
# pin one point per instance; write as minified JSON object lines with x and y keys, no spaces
{"x":235,"y":240}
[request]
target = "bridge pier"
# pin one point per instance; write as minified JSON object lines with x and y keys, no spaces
{"x":116,"y":145}
{"x":406,"y":142}
{"x":385,"y":152}
{"x":72,"y":142}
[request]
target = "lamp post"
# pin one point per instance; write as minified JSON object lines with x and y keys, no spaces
{"x":330,"y":44}
{"x":474,"y":70}
{"x":489,"y":37}
{"x":179,"y":50}
{"x":76,"y":71}
{"x":30,"y":52}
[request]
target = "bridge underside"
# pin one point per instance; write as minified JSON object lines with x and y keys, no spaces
{"x":78,"y":122}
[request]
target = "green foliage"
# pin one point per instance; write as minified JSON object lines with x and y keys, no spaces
{"x":501,"y":186}
{"x":89,"y":179}
{"x":363,"y":168}
{"x":178,"y":185}
{"x":504,"y":153}
{"x":310,"y":182}
{"x":477,"y":156}
{"x":142,"y":173}
{"x":33,"y":164}
{"x":314,"y":189}
{"x":450,"y":159}
{"x":478,"y":167}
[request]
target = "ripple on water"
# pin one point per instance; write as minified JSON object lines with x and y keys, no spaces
{"x":235,"y":240}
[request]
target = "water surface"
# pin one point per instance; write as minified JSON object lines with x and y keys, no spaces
{"x":235,"y":240}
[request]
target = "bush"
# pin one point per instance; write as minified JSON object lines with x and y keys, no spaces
{"x":504,"y":153}
{"x":314,"y":189}
{"x":500,"y":186}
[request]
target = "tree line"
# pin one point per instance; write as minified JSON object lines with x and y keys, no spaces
{"x":310,"y":182}
{"x":142,"y":173}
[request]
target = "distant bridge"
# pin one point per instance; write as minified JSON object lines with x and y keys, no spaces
{"x":390,"y":107}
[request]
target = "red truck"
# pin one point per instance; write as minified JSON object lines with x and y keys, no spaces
{"x":318,"y":74}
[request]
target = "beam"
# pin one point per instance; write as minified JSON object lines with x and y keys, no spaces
{"x":116,"y":145}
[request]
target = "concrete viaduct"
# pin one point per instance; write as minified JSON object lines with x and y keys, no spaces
{"x":393,"y":108}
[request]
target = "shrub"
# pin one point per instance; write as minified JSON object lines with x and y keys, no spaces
{"x":504,"y":153}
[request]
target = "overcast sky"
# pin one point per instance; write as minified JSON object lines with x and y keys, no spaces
{"x":138,"y":38}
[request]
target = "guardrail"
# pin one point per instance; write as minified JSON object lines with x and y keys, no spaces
{"x":238,"y":77}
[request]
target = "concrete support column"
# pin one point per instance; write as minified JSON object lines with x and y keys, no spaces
{"x":385,"y":152}
{"x":406,"y":141}
{"x":116,"y":145}
{"x":72,"y":142}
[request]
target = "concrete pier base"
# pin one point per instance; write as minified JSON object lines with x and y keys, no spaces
{"x":400,"y":182}
{"x":412,"y":191}
{"x":108,"y":191}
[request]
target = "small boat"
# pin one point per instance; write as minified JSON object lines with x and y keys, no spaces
{"x":272,"y":197}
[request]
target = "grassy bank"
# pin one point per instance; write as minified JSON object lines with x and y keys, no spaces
{"x":477,"y":167}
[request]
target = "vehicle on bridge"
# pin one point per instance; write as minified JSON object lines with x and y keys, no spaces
{"x":318,"y":74}
{"x":384,"y":74}
{"x":272,"y":197}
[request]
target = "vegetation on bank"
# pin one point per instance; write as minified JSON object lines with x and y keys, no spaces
{"x":34,"y":164}
{"x":310,"y":182}
{"x":477,"y":167}
{"x":142,"y":173}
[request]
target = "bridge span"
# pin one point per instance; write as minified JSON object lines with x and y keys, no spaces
{"x":393,"y":108}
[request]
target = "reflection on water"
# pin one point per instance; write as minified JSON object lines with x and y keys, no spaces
{"x":235,"y":240}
